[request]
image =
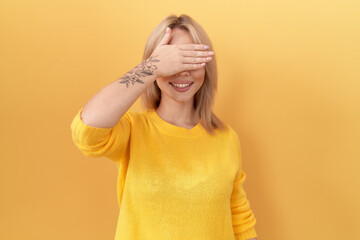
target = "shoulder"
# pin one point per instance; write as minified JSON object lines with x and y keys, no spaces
{"x":227,"y":131}
{"x":233,"y":134}
{"x":226,"y":136}
{"x":138,"y":117}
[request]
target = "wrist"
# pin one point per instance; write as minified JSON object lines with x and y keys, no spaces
{"x":151,"y":66}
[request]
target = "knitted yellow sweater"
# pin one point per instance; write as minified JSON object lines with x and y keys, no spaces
{"x":173,"y":183}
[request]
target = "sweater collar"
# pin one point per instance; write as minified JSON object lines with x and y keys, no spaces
{"x":173,"y":130}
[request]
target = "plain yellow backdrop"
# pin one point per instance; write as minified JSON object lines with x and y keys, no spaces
{"x":289,"y":75}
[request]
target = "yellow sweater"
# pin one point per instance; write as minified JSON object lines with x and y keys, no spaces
{"x":173,"y":183}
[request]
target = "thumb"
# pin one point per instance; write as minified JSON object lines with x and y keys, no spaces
{"x":166,"y":38}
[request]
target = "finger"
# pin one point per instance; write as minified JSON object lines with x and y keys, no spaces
{"x":166,"y":38}
{"x":197,"y":53}
{"x":196,"y":60}
{"x":193,"y":66}
{"x":193,"y":47}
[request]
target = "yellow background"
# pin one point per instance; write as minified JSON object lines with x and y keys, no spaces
{"x":289,"y":85}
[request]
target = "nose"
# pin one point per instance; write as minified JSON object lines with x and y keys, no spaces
{"x":183,"y":74}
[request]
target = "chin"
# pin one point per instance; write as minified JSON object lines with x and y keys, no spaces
{"x":183,"y":99}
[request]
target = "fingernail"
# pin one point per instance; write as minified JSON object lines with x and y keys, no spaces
{"x":167,"y":29}
{"x":211,"y":53}
{"x":206,"y":47}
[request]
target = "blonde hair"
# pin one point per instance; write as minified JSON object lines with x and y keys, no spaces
{"x":204,"y":98}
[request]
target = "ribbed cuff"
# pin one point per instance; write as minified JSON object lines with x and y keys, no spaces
{"x":86,"y":134}
{"x":248,"y":234}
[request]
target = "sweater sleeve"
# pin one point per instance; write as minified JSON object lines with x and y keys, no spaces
{"x":102,"y":142}
{"x":243,"y":219}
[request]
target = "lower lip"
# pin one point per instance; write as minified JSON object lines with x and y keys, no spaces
{"x":181,"y":89}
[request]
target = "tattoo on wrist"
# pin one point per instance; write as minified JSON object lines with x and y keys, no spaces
{"x":145,"y":68}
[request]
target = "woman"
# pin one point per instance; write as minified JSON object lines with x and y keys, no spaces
{"x":180,"y":168}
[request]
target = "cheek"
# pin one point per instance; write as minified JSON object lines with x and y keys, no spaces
{"x":161,"y":82}
{"x":199,"y":74}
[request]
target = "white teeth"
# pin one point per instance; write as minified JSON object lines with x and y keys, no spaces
{"x":181,"y":85}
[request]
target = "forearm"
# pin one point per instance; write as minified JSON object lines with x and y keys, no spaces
{"x":107,"y":106}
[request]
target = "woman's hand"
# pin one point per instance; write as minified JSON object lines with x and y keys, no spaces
{"x":172,"y":59}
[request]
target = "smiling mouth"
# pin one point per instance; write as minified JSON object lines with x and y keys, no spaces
{"x":182,"y":85}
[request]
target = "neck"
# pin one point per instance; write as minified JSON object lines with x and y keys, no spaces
{"x":178,"y":113}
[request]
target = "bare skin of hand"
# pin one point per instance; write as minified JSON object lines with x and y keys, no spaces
{"x":172,"y":59}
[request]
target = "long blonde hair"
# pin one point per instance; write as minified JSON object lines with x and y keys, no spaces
{"x":204,"y":98}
